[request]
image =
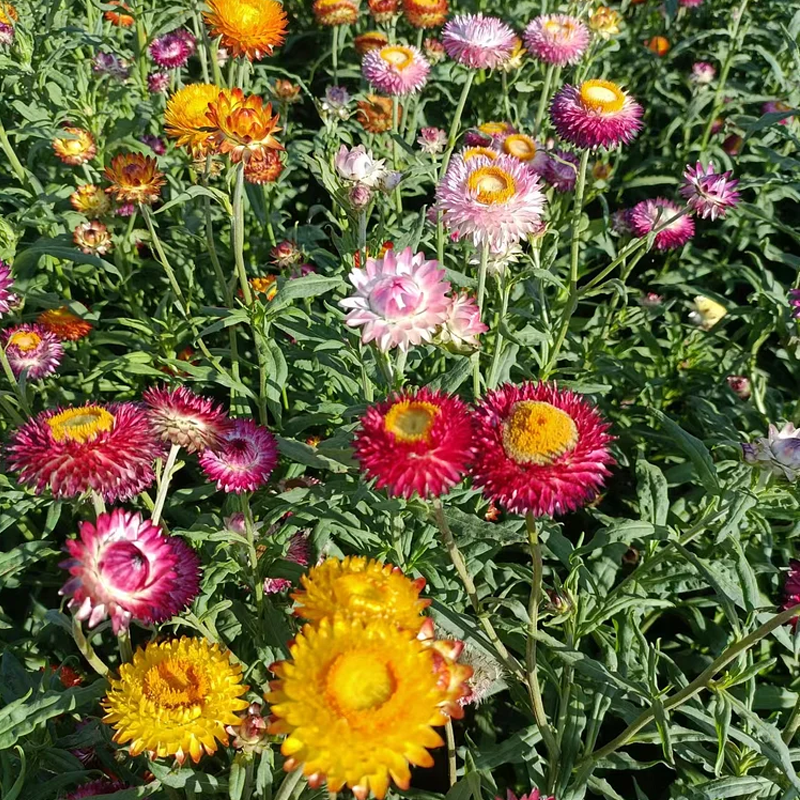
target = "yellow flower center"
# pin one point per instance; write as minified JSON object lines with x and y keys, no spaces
{"x":520,"y":146}
{"x":492,"y":185}
{"x":357,"y":592}
{"x":474,"y":152}
{"x":556,"y":28}
{"x":411,"y":421}
{"x":360,"y":682}
{"x":492,"y":128}
{"x":25,"y":340}
{"x":80,"y":424}
{"x":398,"y":57}
{"x":176,"y":683}
{"x":538,"y":433}
{"x":602,"y":96}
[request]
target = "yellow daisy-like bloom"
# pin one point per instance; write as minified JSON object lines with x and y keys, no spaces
{"x":250,"y":28}
{"x":362,"y":589}
{"x":359,"y":702}
{"x":186,"y":116}
{"x":90,"y":200}
{"x":175,"y":699}
{"x":79,"y":148}
{"x":135,"y":178}
{"x":244,"y":126}
{"x":8,"y":14}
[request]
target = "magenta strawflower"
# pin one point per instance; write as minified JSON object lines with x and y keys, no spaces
{"x":493,"y":201}
{"x":595,"y":114}
{"x":7,"y":298}
{"x":299,"y":550}
{"x":396,"y":70}
{"x":432,"y":140}
{"x":463,"y":324}
{"x":534,"y":794}
{"x":125,"y":568}
{"x":107,"y":449}
{"x":158,"y":82}
{"x":401,"y":300}
{"x":276,"y":585}
{"x":794,"y":302}
{"x":155,"y":143}
{"x":33,"y":348}
{"x":690,"y":3}
{"x":244,"y":460}
{"x":703,"y":72}
{"x":776,"y":107}
{"x":181,"y":417}
{"x":477,"y":41}
{"x":556,"y":39}
{"x":93,"y":788}
{"x":650,"y":214}
{"x":172,"y":50}
{"x":6,"y":34}
{"x":791,"y":589}
{"x":416,"y":442}
{"x":708,"y":193}
{"x":539,"y":449}
{"x":561,"y":170}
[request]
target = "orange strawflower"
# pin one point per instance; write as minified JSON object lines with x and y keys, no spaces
{"x":383,"y":10}
{"x":266,"y":285}
{"x":426,"y":13}
{"x":117,"y":18}
{"x":371,"y":40}
{"x":244,"y":126}
{"x":186,"y":116}
{"x":264,"y":168}
{"x":79,"y":148}
{"x":250,"y":28}
{"x":134,"y":178}
{"x":658,"y":45}
{"x":335,"y":12}
{"x":286,"y":91}
{"x":64,"y":324}
{"x":375,"y":113}
{"x":8,"y":14}
{"x":90,"y":200}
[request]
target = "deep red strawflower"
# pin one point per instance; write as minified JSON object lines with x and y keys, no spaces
{"x":539,"y":449}
{"x":100,"y":786}
{"x":791,"y":589}
{"x":108,"y":449}
{"x":416,"y":442}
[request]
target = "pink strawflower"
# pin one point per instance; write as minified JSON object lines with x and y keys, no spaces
{"x":794,"y":302}
{"x":595,"y":114}
{"x":33,"y":348}
{"x":244,"y":460}
{"x":791,"y":589}
{"x":158,"y":82}
{"x":477,"y":41}
{"x":6,"y":35}
{"x":621,"y":222}
{"x":7,"y":298}
{"x":416,"y":442}
{"x":708,"y":193}
{"x":690,"y":3}
{"x":276,"y":585}
{"x":126,"y":568}
{"x":463,"y":324}
{"x":496,"y":202}
{"x":181,"y":417}
{"x":776,"y":107}
{"x":172,"y":50}
{"x":539,"y":449}
{"x":703,"y":72}
{"x":286,"y":254}
{"x":107,"y":449}
{"x":155,"y":143}
{"x":396,"y":70}
{"x":561,"y":170}
{"x":299,"y":550}
{"x":358,"y":165}
{"x":557,"y":39}
{"x":401,"y":300}
{"x":432,"y":140}
{"x":650,"y":214}
{"x":92,"y":788}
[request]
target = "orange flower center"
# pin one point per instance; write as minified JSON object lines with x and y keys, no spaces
{"x":80,"y":424}
{"x":473,"y":152}
{"x":492,"y":185}
{"x":602,"y":96}
{"x":398,"y":57}
{"x":520,"y":146}
{"x":538,"y":433}
{"x":25,"y":340}
{"x":359,"y":681}
{"x":176,"y":683}
{"x":411,"y":421}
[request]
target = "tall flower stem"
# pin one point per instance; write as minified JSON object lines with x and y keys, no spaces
{"x":575,"y":251}
{"x":530,"y":651}
{"x":335,"y":52}
{"x":212,"y":57}
{"x":238,"y":234}
{"x":287,"y":787}
{"x":11,"y":155}
{"x":125,"y":647}
{"x":166,"y":476}
{"x":140,"y":46}
{"x":482,"y":270}
{"x":86,"y":649}
{"x":456,"y":124}
{"x":457,"y":559}
{"x":18,"y":391}
{"x":250,"y":532}
{"x":505,"y":294}
{"x":452,"y":766}
{"x":162,"y":257}
{"x":398,"y":197}
{"x":203,"y":52}
{"x":543,"y":98}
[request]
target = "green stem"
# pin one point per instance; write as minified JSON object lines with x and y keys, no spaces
{"x":250,"y":532}
{"x":125,"y":648}
{"x":98,"y":503}
{"x":482,"y":270}
{"x":793,"y":724}
{"x":289,"y":782}
{"x":335,"y":53}
{"x":11,"y":155}
{"x":212,"y":57}
{"x":203,"y":52}
{"x":548,"y":81}
{"x":87,"y":651}
{"x":530,"y":651}
{"x":575,"y":250}
{"x":456,"y":124}
{"x":140,"y":47}
{"x":452,"y":767}
{"x":166,"y":475}
{"x":147,"y":214}
{"x":398,"y":197}
{"x":505,"y":294}
{"x":18,"y":392}
{"x":238,"y":235}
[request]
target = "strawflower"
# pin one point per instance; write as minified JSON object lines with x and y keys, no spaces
{"x":703,"y":73}
{"x":561,"y":170}
{"x":7,"y":298}
{"x":524,"y":148}
{"x":76,"y":148}
{"x":658,"y":45}
{"x":331,"y":13}
{"x":706,"y":312}
{"x":107,"y":449}
{"x":110,"y":64}
{"x":95,"y":787}
{"x":477,"y":41}
{"x":245,"y":127}
{"x":358,"y":702}
{"x":374,"y":113}
{"x":595,"y":114}
{"x":158,"y":82}
{"x":383,"y":10}
{"x":7,"y":34}
{"x":425,"y":13}
{"x":172,"y":50}
{"x":777,"y":107}
{"x":249,"y":28}
{"x":64,"y":324}
{"x":708,"y":193}
{"x":90,"y":200}
{"x":264,"y":168}
{"x":125,"y":568}
{"x":286,"y":254}
{"x":540,"y":450}
{"x":605,"y":22}
{"x":778,"y":453}
{"x":432,"y":140}
{"x":401,"y":300}
{"x":286,"y":91}
{"x":740,"y":386}
{"x":119,"y":18}
{"x":794,"y":302}
{"x":651,"y":214}
{"x":396,"y":70}
{"x":557,"y":39}
{"x":250,"y":734}
{"x":186,"y":116}
{"x":175,"y":699}
{"x":244,"y":460}
{"x":371,"y":40}
{"x":434,"y":50}
{"x":93,"y":238}
{"x":135,"y":178}
{"x":33,"y":349}
{"x":359,"y":166}
{"x":791,"y":588}
{"x":463,"y":325}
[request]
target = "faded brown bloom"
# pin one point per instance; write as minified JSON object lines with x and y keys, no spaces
{"x":375,"y":113}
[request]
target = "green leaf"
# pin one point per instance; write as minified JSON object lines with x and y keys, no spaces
{"x":692,"y":447}
{"x":653,"y":494}
{"x":20,"y":558}
{"x":237,"y":777}
{"x":309,"y":286}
